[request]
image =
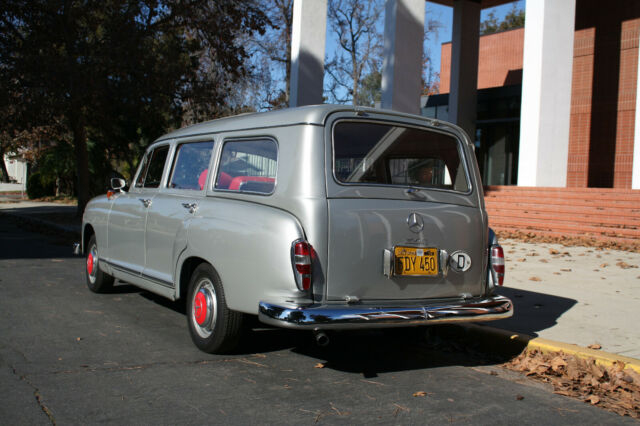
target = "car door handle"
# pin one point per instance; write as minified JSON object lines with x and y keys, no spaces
{"x":145,"y":202}
{"x":192,"y":207}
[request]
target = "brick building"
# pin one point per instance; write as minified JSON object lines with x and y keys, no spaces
{"x":602,"y":114}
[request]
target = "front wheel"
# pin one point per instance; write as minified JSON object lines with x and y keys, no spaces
{"x":97,"y":280}
{"x":214,"y":328}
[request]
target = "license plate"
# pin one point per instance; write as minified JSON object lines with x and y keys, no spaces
{"x":415,"y":261}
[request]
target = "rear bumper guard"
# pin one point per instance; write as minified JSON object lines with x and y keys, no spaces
{"x":327,"y":317}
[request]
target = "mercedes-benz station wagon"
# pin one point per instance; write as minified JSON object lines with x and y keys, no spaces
{"x":320,"y":218}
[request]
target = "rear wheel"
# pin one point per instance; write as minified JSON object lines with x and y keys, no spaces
{"x":214,"y":328}
{"x":97,"y":280}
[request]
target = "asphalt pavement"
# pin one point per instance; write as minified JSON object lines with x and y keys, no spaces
{"x":68,"y":356}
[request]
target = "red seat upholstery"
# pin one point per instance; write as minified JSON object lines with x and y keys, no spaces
{"x":203,"y":178}
{"x":223,"y":180}
{"x":239,"y":180}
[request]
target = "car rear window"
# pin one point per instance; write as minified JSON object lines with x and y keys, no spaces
{"x":248,"y":166}
{"x":384,"y":154}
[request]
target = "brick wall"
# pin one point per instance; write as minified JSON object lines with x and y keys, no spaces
{"x":499,"y":64}
{"x":603,"y":92}
{"x":603,"y":100}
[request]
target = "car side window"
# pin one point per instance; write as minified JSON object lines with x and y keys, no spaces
{"x":248,"y":166}
{"x":191,"y":165}
{"x":152,"y":167}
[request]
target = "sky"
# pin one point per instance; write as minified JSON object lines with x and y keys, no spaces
{"x":433,"y":11}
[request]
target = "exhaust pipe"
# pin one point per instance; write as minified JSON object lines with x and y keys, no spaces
{"x":321,"y":338}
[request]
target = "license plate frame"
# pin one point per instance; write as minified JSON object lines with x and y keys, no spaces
{"x":411,"y":261}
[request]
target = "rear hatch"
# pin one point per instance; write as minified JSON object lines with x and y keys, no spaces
{"x":405,"y":220}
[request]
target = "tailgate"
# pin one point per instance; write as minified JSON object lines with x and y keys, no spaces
{"x":361,"y":230}
{"x":405,"y":220}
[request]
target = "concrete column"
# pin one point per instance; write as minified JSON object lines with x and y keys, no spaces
{"x":465,"y":44}
{"x":546,"y":93}
{"x":402,"y":64}
{"x":307,"y":51}
{"x":635,"y":176}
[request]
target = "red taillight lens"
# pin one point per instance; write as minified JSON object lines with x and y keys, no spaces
{"x":497,"y":264}
{"x":301,"y":260}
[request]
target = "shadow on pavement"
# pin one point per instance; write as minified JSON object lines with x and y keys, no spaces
{"x":533,"y":312}
{"x":20,"y":239}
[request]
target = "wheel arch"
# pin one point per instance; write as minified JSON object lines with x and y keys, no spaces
{"x":186,"y":270}
{"x":87,"y":233}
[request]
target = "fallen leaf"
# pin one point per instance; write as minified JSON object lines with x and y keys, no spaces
{"x":519,"y":397}
{"x":593,"y":399}
{"x":319,"y":365}
{"x":604,"y":265}
{"x":544,"y":261}
{"x":420,"y":393}
{"x":522,"y":259}
{"x":625,"y":265}
{"x":566,"y":269}
{"x":557,"y":273}
{"x":595,"y":346}
{"x":535,"y":279}
{"x":554,"y":251}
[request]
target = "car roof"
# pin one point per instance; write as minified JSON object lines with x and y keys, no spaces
{"x":312,"y":114}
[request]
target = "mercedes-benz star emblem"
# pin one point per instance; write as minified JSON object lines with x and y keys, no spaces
{"x":415,"y":222}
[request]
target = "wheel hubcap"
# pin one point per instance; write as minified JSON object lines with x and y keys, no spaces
{"x":204,"y":308}
{"x":200,"y":308}
{"x":92,"y":264}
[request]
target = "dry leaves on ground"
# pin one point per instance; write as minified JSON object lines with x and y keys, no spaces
{"x":613,"y":388}
{"x":535,"y":279}
{"x":625,"y":265}
{"x":532,"y":237}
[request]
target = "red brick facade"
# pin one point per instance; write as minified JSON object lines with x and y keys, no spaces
{"x":603,"y":93}
{"x":500,"y":62}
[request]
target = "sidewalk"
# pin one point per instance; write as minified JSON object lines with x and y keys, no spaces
{"x":579,"y":295}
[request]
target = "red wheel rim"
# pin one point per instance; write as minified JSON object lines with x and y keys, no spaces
{"x":90,"y":264}
{"x":200,"y":308}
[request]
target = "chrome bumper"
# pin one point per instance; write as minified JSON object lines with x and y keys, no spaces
{"x":328,"y":317}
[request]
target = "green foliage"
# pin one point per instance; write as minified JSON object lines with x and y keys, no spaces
{"x":513,"y":19}
{"x":121,"y":72}
{"x":37,"y":187}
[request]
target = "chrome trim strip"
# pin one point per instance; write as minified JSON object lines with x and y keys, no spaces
{"x":137,"y":274}
{"x":326,"y":317}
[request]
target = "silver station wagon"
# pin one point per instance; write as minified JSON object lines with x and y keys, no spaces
{"x":321,"y":218}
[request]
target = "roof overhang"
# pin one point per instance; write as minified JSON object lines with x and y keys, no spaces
{"x":483,"y":3}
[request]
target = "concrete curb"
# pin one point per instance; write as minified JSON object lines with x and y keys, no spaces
{"x":511,"y":343}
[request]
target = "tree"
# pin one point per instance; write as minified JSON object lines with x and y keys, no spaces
{"x":513,"y":19}
{"x":269,"y":84}
{"x":122,"y":71}
{"x":357,"y":27}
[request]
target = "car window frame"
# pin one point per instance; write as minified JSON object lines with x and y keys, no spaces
{"x":174,"y":157}
{"x":143,"y":168}
{"x":223,"y":143}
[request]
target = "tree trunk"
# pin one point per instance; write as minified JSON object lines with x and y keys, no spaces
{"x":82,"y":163}
{"x":5,"y":173}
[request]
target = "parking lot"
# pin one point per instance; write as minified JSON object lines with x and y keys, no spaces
{"x":68,"y":356}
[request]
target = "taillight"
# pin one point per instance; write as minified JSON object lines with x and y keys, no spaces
{"x":301,"y":261}
{"x":497,"y":264}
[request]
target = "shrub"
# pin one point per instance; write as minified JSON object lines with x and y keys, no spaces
{"x":36,"y":188}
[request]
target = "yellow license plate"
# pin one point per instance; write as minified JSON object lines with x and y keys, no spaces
{"x":415,"y":261}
